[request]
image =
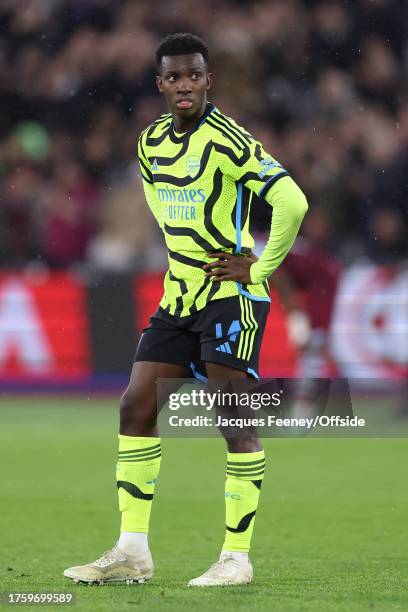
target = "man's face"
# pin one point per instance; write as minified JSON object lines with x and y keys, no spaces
{"x":184,"y":81}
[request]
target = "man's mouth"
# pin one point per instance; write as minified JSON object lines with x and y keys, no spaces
{"x":184,"y":103}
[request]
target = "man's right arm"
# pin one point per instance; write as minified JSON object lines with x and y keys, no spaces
{"x":148,"y":185}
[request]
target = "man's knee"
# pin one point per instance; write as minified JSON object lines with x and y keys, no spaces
{"x":137,"y":411}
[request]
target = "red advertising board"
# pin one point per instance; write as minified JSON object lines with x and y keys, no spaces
{"x":278,"y":355}
{"x":43,"y":327}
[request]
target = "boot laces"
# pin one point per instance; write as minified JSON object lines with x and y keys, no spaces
{"x":107,"y":558}
{"x":225,"y":566}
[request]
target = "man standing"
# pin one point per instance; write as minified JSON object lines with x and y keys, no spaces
{"x":199,"y":171}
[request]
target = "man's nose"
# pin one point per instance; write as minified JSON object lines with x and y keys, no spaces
{"x":184,"y":86}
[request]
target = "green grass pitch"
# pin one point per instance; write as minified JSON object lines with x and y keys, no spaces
{"x":330,"y":533}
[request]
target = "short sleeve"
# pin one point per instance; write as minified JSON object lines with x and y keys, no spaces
{"x":143,"y":161}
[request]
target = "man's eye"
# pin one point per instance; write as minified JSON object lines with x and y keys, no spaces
{"x":171,"y":78}
{"x":196,"y":75}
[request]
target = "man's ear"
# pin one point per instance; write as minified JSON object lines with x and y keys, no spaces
{"x":209,"y":80}
{"x":159,"y":83}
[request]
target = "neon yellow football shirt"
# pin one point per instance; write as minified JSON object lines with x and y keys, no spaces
{"x":199,"y":186}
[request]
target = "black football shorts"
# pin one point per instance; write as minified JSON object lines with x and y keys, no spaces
{"x":227,"y":331}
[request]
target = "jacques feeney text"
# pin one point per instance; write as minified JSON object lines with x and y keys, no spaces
{"x":269,"y":421}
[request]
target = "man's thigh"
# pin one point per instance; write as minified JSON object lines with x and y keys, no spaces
{"x":165,"y":351}
{"x":143,"y":381}
{"x":167,"y":341}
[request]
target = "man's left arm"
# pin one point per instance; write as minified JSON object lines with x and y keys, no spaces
{"x":289,"y":207}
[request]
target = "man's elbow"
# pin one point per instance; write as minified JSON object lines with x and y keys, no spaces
{"x":302,"y":206}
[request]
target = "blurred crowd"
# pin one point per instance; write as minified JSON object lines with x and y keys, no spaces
{"x":322,"y":83}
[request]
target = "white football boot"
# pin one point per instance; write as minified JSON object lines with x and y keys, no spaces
{"x":114,"y":566}
{"x":228,"y":571}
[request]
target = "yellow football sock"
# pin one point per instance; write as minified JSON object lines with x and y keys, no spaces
{"x":136,"y":474}
{"x":245,"y":472}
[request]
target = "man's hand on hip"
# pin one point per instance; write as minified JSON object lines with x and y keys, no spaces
{"x":230,"y":267}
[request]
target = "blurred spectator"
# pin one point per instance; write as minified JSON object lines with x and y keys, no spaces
{"x":67,"y":210}
{"x":313,"y":270}
{"x":307,"y":281}
{"x":387,"y":240}
{"x":126,"y":228}
{"x":321,"y":82}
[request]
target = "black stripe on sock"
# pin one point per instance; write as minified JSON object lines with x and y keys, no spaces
{"x":249,"y":474}
{"x":145,"y":454}
{"x":247,"y":469}
{"x":243,"y":523}
{"x":258,"y":468}
{"x":246,"y":462}
{"x":140,"y":450}
{"x":139,"y":459}
{"x":133,"y":490}
{"x":135,"y":454}
{"x":257,"y":483}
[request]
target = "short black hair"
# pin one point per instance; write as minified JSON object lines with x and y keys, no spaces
{"x":181,"y":43}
